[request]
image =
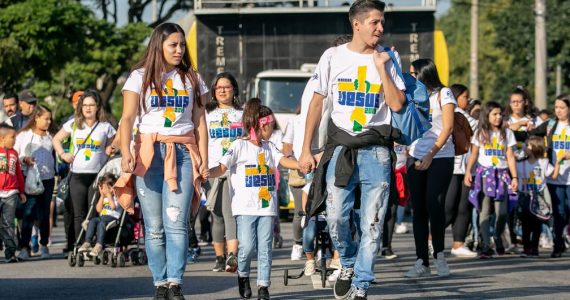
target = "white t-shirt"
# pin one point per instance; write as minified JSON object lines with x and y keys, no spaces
{"x":422,"y":146}
{"x":561,"y":145}
{"x":90,"y":155}
{"x":319,"y":135}
{"x":292,"y":134}
{"x":521,"y":145}
{"x":277,"y":138}
{"x":172,"y":115}
{"x":108,"y":211}
{"x":253,"y":187}
{"x":40,"y":148}
{"x":356,"y":88}
{"x":532,"y":177}
{"x":224,"y":127}
{"x":494,"y":154}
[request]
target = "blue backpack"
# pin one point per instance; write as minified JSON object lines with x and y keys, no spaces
{"x":413,"y":119}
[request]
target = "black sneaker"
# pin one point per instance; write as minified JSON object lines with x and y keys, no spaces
{"x":12,"y":259}
{"x":160,"y":293}
{"x":486,"y":254}
{"x":244,"y":287}
{"x":388,"y":253}
{"x":231,"y":263}
{"x":556,"y":254}
{"x":220,"y":264}
{"x":263,"y":293}
{"x":175,"y":293}
{"x":343,"y":282}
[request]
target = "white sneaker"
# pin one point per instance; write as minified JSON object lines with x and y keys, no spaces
{"x":44,"y":252}
{"x":430,"y":248}
{"x":441,"y":265}
{"x":545,"y":242}
{"x":334,"y":275}
{"x":24,"y":255}
{"x":418,"y":270}
{"x":297,"y":252}
{"x":401,"y":228}
{"x":463,"y":252}
{"x":309,"y":267}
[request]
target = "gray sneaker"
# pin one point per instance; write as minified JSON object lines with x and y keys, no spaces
{"x":418,"y":270}
{"x":44,"y":250}
{"x":441,"y":265}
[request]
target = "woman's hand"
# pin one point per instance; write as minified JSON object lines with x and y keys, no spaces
{"x":514,"y":184}
{"x":467,"y":179}
{"x":29,"y":160}
{"x":127,"y":163}
{"x":67,"y":157}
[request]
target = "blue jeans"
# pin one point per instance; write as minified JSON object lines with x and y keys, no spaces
{"x":255,"y":233}
{"x":310,"y":232}
{"x":372,"y":174}
{"x":560,"y":195}
{"x":98,"y":224}
{"x":166,"y":215}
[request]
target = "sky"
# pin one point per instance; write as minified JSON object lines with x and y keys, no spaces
{"x":442,"y":7}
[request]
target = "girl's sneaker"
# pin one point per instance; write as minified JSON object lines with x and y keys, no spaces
{"x":231,"y":263}
{"x":309,"y":267}
{"x":220,"y":264}
{"x":263,"y":293}
{"x":175,"y":293}
{"x":278,"y":242}
{"x":85,"y":247}
{"x":96,"y":250}
{"x":244,"y":287}
{"x":463,"y":252}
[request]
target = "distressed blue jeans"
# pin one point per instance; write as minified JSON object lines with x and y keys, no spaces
{"x":166,"y":215}
{"x":372,"y":174}
{"x":255,"y":233}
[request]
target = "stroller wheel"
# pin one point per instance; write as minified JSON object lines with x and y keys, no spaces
{"x":80,"y":260}
{"x":142,"y":259}
{"x":134,"y":255}
{"x":105,"y":258}
{"x":114,"y":261}
{"x":71,"y":259}
{"x":97,"y":260}
{"x":286,"y":277}
{"x":121,"y":259}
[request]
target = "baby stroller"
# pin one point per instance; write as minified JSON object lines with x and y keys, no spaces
{"x":137,"y":255}
{"x":323,"y":243}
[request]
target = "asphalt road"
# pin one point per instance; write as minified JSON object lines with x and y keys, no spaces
{"x":500,"y":278}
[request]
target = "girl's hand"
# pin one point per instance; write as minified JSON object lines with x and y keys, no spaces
{"x":529,"y":125}
{"x":566,"y":156}
{"x":514,"y":185}
{"x":204,"y":172}
{"x":425,"y":162}
{"x":29,"y":160}
{"x":109,"y":150}
{"x":467,"y":179}
{"x":23,"y":198}
{"x":127,"y":163}
{"x":67,"y":157}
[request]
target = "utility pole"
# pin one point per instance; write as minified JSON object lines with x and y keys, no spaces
{"x":154,"y":11}
{"x":540,"y":54}
{"x":473,"y":62}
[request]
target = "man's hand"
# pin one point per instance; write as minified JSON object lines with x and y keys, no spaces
{"x":307,"y":162}
{"x":380,"y":58}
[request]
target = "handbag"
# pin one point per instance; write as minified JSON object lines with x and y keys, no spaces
{"x":63,"y":186}
{"x":296,"y":179}
{"x":33,"y":184}
{"x":413,"y":119}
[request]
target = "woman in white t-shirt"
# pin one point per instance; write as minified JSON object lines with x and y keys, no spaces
{"x":223,"y":117}
{"x":170,"y":159}
{"x":496,"y":175}
{"x":430,"y":168}
{"x":34,"y":146}
{"x":91,"y":138}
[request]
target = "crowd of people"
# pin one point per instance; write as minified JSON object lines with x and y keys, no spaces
{"x":505,"y":196}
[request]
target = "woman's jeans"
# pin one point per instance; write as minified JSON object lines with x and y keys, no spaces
{"x":372,"y":175}
{"x":166,"y":215}
{"x":560,"y":195}
{"x":255,"y":233}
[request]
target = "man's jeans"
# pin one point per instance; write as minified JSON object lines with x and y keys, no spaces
{"x":255,"y":233}
{"x":372,"y":174}
{"x":166,"y":215}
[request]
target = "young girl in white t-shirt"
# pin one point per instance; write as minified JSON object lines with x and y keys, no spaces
{"x":492,"y":148}
{"x":253,"y":163}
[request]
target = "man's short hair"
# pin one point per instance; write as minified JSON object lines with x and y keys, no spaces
{"x":364,"y":6}
{"x":11,"y":95}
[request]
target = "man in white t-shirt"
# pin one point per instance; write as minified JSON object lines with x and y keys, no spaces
{"x":364,"y":87}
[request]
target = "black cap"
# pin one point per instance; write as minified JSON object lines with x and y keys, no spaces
{"x":28,"y":97}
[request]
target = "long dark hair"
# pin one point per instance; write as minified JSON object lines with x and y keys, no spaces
{"x":566,"y":99}
{"x":485,"y":125}
{"x":154,"y":64}
{"x":457,"y":89}
{"x":100,"y":113}
{"x":252,"y":112}
{"x":529,"y":110}
{"x":427,"y":74}
{"x":39,"y":110}
{"x":213,"y":103}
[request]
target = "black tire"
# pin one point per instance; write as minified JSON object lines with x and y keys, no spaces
{"x":105,"y":258}
{"x":142,"y":258}
{"x":286,"y":277}
{"x":121,"y":260}
{"x":134,"y":256}
{"x":324,"y":277}
{"x":71,"y":259}
{"x":97,"y":260}
{"x":80,"y":260}
{"x":114,"y":261}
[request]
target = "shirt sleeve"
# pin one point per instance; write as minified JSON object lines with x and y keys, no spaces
{"x":230,"y":158}
{"x":322,"y":72}
{"x":135,"y":82}
{"x":110,"y":131}
{"x":203,"y":87}
{"x":67,"y":126}
{"x":20,"y":144}
{"x":511,"y":141}
{"x":289,"y":132}
{"x":276,"y":153}
{"x":447,"y":97}
{"x":475,"y":139}
{"x":547,"y":167}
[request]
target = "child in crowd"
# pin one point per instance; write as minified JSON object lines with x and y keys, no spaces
{"x":532,"y":173}
{"x":109,"y":210}
{"x":492,"y":147}
{"x":12,"y":182}
{"x":253,"y":162}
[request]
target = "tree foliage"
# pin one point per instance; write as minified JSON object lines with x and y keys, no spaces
{"x":55,"y":47}
{"x":165,"y":9}
{"x":506,"y":44}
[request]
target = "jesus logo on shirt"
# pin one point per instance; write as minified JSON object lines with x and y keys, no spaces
{"x":361,"y":94}
{"x":261,"y":176}
{"x":173,"y":100}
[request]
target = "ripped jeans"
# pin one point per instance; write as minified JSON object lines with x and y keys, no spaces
{"x":166,"y":215}
{"x":372,"y":174}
